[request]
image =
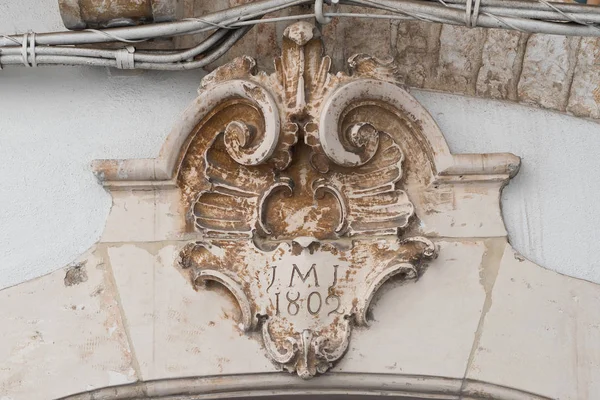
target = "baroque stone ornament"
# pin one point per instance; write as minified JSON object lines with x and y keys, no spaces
{"x":301,"y":192}
{"x":296,"y":191}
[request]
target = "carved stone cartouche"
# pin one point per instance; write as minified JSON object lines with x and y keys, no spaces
{"x":297,"y":199}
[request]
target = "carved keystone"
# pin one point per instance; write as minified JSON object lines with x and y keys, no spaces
{"x":296,"y":275}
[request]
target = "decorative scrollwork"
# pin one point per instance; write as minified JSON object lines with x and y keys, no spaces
{"x":413,"y":251}
{"x":275,"y":227}
{"x":238,"y":137}
{"x":290,"y":346}
{"x":248,"y":321}
{"x":321,"y":187}
{"x":328,"y":352}
{"x":356,"y":147}
{"x":285,"y":184}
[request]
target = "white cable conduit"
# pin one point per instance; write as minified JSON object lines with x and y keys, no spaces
{"x":230,"y":25}
{"x":210,"y":21}
{"x":103,"y":62}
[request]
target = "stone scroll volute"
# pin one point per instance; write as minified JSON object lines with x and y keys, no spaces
{"x":304,"y":191}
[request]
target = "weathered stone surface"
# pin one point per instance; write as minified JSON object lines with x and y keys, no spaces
{"x":471,"y":213}
{"x":417,"y":51}
{"x":459,"y":59}
{"x":276,"y":205}
{"x":501,"y":64}
{"x":158,"y":216}
{"x":452,"y":288}
{"x":540,"y":331}
{"x":174,"y":330}
{"x":309,"y":193}
{"x":61,"y":336}
{"x":548,"y":70}
{"x":350,"y":37}
{"x":260,"y":40}
{"x":584,"y":99}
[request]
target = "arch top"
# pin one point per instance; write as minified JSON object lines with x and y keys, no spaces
{"x":303,"y":99}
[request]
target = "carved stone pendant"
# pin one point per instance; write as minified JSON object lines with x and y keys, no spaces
{"x":294,"y":184}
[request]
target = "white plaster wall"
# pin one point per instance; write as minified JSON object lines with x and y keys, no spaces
{"x":551,"y":207}
{"x":54,"y":121}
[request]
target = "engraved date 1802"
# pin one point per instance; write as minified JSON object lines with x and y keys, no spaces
{"x":289,"y":294}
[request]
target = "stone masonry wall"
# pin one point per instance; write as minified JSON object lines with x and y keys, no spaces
{"x":554,"y":72}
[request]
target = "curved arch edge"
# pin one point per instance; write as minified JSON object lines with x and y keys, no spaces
{"x":274,"y":383}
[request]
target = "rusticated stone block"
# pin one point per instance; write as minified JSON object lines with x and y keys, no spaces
{"x":459,"y":59}
{"x":348,"y":36}
{"x":502,"y":59}
{"x":496,"y":63}
{"x":584,"y":99}
{"x":335,"y":47}
{"x":548,"y":70}
{"x":417,"y":51}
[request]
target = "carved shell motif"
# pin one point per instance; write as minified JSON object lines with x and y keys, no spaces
{"x":297,"y":200}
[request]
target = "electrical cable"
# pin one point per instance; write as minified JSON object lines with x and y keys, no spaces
{"x":90,"y":61}
{"x":228,"y":26}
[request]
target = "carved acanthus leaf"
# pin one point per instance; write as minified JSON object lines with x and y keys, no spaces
{"x":302,"y":70}
{"x":230,"y":207}
{"x":374,"y":204}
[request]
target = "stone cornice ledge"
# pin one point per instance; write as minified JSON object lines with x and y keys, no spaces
{"x":272,"y":384}
{"x":481,"y":167}
{"x":161,"y":172}
{"x":154,"y":173}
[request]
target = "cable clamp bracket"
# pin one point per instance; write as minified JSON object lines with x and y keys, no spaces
{"x":472,"y":13}
{"x":320,"y":15}
{"x":125,"y":58}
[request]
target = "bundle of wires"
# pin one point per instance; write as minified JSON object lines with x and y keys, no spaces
{"x":228,"y":26}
